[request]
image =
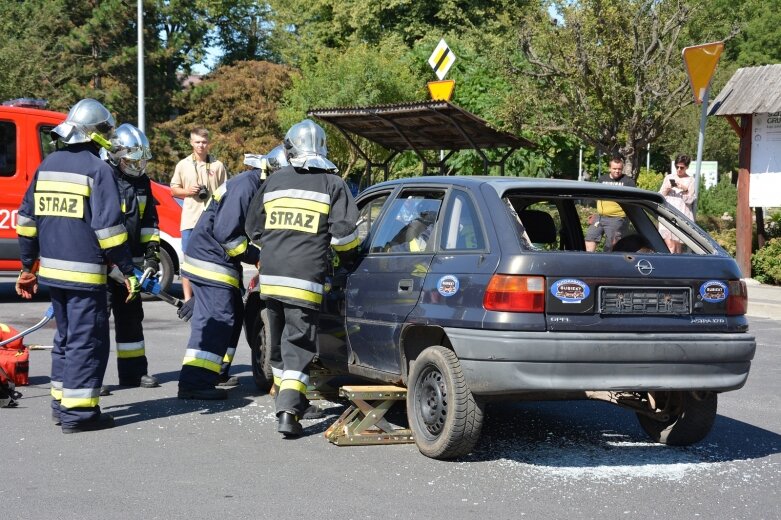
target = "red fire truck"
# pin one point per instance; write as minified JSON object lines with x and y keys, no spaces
{"x":24,"y":141}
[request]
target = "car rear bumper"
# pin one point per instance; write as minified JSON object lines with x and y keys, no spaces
{"x":502,"y":363}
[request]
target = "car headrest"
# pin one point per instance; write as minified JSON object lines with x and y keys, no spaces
{"x":631,"y":244}
{"x":539,"y":226}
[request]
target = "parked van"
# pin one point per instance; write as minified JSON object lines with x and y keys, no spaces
{"x":25,"y":140}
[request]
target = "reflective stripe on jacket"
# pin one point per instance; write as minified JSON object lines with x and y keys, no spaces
{"x":139,"y":211}
{"x":295,"y":218}
{"x":71,"y":217}
{"x":218,"y":243}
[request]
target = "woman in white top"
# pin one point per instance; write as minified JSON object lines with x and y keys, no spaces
{"x":680,"y":191}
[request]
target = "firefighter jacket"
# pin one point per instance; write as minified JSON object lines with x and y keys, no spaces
{"x":218,"y":243}
{"x":71,"y":218}
{"x":295,"y":217}
{"x":140,"y":213}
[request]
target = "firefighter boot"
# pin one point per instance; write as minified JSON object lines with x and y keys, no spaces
{"x":145,"y":381}
{"x":101,"y":422}
{"x":207,"y":394}
{"x":289,"y":425}
{"x":228,"y":382}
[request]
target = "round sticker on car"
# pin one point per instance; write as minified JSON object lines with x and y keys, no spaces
{"x":570,"y":290}
{"x":447,"y":285}
{"x":714,"y":291}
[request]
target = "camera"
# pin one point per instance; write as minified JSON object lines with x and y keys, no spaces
{"x":203,"y":193}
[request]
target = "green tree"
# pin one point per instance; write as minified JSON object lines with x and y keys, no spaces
{"x":610,"y":72}
{"x":356,"y":76}
{"x":244,"y":31}
{"x":97,"y":57}
{"x":29,"y":38}
{"x":238,"y":104}
{"x":340,"y":23}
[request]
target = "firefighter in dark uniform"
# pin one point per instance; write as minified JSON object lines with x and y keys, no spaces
{"x":212,"y":262}
{"x":71,"y":218}
{"x":302,"y":211}
{"x":129,"y":156}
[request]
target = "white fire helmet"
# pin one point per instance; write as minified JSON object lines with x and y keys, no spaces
{"x":88,"y":120}
{"x":305,"y":147}
{"x":130,"y":150}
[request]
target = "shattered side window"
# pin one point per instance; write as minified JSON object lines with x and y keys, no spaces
{"x":409,"y":225}
{"x":601,"y":225}
{"x":462,"y":230}
{"x":519,"y":229}
{"x":537,"y":223}
{"x":368,"y":213}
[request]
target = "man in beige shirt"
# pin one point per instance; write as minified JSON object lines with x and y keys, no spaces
{"x":191,"y":174}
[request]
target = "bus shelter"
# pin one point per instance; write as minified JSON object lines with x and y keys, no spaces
{"x":419,"y":127}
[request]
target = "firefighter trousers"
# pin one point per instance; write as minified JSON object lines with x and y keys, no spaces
{"x":128,"y":334}
{"x":80,"y":353}
{"x":215,"y":329}
{"x":293,"y":334}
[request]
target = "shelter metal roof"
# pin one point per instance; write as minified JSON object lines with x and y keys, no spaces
{"x":429,"y":125}
{"x":751,"y":90}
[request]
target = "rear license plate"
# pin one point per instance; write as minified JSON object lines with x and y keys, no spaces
{"x":645,"y":300}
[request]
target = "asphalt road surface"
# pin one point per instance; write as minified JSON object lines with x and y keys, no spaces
{"x":171,"y":459}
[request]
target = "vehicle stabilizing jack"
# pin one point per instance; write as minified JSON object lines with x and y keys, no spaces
{"x":364,"y":422}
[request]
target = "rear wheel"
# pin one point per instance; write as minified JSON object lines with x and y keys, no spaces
{"x":690,"y":417}
{"x":444,"y":416}
{"x":261,"y":362}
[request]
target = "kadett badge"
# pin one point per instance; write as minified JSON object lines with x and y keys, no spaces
{"x":447,"y":285}
{"x":570,"y":290}
{"x":714,"y":291}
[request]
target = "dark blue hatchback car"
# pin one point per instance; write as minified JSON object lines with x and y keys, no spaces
{"x":470,"y":289}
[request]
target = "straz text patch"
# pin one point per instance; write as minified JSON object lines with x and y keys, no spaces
{"x":59,"y":205}
{"x":293,"y":218}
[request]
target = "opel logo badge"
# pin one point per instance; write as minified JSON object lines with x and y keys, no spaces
{"x":645,"y":267}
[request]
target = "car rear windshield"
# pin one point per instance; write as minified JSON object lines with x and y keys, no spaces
{"x":602,"y":224}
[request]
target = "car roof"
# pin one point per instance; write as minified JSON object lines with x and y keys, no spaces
{"x":32,"y":111}
{"x":549,"y":186}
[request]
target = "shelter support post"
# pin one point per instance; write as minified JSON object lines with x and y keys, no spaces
{"x":369,"y":163}
{"x":744,"y":227}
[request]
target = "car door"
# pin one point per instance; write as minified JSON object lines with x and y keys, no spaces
{"x":387,"y":282}
{"x":332,"y":338}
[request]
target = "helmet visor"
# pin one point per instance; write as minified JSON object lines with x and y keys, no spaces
{"x":133,"y":168}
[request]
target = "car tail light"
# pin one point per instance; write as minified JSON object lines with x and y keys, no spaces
{"x":515,"y":293}
{"x":737,"y":300}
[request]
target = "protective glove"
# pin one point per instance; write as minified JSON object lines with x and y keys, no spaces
{"x":185,"y":312}
{"x":26,"y":285}
{"x":133,"y":288}
{"x":151,"y":263}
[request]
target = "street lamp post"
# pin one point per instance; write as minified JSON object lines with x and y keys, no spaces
{"x":141,"y":119}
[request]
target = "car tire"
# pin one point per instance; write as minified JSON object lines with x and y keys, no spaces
{"x":691,"y":417}
{"x":166,"y":270}
{"x":261,"y":362}
{"x":444,"y":416}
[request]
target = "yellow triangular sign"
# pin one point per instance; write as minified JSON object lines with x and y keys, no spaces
{"x":441,"y":90}
{"x":701,"y":61}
